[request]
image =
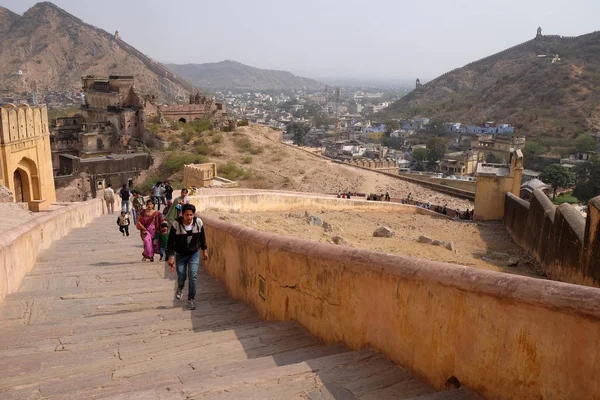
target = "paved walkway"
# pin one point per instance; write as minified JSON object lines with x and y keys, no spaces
{"x":91,"y":321}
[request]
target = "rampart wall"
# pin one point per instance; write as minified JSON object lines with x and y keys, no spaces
{"x":563,"y":242}
{"x":252,"y":201}
{"x":505,"y":336}
{"x":20,"y":246}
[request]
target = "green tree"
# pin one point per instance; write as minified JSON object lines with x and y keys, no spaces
{"x":391,"y":126}
{"x":436,"y":148}
{"x":587,"y":180}
{"x":557,"y":176}
{"x":298,"y":131}
{"x":419,"y":155}
{"x":585,"y":143}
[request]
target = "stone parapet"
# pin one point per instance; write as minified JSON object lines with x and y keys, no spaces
{"x":505,"y":336}
{"x":560,"y":238}
{"x":21,"y":245}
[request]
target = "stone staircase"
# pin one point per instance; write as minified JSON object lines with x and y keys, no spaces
{"x":91,"y":321}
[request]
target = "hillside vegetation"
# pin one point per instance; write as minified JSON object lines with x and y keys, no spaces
{"x":516,"y":86}
{"x":234,"y":75}
{"x":53,"y":49}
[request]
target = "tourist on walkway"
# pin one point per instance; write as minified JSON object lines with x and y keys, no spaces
{"x":137,"y":205}
{"x":148,"y":223}
{"x":186,"y":239}
{"x":124,"y":193}
{"x":175,"y":210}
{"x":123,"y":222}
{"x":162,"y":240}
{"x":109,"y":198}
{"x":168,"y":191}
{"x":156,"y":194}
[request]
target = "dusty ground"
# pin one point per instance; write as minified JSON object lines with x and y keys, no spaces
{"x":475,"y":242}
{"x":275,"y":165}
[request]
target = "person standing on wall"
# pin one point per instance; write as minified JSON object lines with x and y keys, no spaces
{"x":125,"y":194}
{"x":186,"y":239}
{"x":109,"y":198}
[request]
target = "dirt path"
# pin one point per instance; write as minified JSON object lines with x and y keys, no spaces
{"x":480,"y":245}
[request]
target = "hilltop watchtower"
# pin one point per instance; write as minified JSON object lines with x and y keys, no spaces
{"x":418,"y":84}
{"x":539,"y":32}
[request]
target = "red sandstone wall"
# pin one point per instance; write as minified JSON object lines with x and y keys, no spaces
{"x":556,"y":236}
{"x":505,"y":336}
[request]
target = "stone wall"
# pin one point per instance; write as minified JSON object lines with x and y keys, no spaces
{"x":468,"y":186}
{"x":276,"y":201}
{"x":20,"y":246}
{"x":560,"y":238}
{"x":505,"y":336}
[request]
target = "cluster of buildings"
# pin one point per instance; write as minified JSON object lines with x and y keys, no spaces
{"x":346,"y":108}
{"x":100,"y":144}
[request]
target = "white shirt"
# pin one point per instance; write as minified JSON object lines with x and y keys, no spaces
{"x":109,"y":194}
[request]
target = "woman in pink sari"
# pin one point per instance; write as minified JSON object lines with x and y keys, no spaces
{"x":148,"y":223}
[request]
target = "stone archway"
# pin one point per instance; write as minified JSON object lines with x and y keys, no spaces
{"x":18,"y":188}
{"x":182,"y":120}
{"x":26,"y":174}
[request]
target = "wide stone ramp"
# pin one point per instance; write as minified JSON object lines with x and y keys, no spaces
{"x":91,"y":321}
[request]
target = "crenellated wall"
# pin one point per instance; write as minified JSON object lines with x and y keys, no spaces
{"x":563,"y":242}
{"x":505,"y":336}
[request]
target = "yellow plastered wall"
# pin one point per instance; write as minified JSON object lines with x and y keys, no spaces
{"x":25,"y":149}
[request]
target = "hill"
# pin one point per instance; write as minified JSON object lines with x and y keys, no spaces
{"x":517,"y":86}
{"x":53,"y":49}
{"x":234,"y":75}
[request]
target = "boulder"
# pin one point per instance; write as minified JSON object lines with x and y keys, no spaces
{"x":512,"y":261}
{"x":327,"y":227}
{"x":315,"y":221}
{"x":425,"y":239}
{"x":340,"y":241}
{"x":437,"y":243}
{"x":450,"y":246}
{"x":384,"y":231}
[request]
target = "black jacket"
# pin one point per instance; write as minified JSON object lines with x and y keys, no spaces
{"x":178,"y":238}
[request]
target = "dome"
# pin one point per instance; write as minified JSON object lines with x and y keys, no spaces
{"x":534,"y":184}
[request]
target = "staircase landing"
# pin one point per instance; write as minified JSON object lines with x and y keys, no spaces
{"x":91,"y":321}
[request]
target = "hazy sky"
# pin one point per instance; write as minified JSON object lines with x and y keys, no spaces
{"x":375,"y":39}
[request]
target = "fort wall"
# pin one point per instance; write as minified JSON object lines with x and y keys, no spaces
{"x":277,"y":201}
{"x":21,"y":245}
{"x":436,"y":319}
{"x":566,"y":245}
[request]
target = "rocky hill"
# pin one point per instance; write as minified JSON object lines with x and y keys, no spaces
{"x":234,"y":75}
{"x":521,"y":86}
{"x":53,"y":49}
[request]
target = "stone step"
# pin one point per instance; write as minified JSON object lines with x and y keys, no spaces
{"x":91,"y":321}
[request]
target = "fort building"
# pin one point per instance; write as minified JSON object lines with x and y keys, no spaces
{"x":114,"y":99}
{"x":459,"y":163}
{"x":496,"y":148}
{"x":199,"y":107}
{"x":25,"y":156}
{"x":494,"y":181}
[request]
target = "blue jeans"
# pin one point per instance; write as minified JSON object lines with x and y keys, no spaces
{"x":188,"y":264}
{"x":125,"y":205}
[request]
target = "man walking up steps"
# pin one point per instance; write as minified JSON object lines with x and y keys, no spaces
{"x":186,"y":239}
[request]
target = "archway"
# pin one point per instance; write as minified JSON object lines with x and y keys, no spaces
{"x":26,"y":174}
{"x":182,"y":120}
{"x":19,"y":198}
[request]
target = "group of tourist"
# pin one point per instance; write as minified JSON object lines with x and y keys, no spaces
{"x":176,"y":234}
